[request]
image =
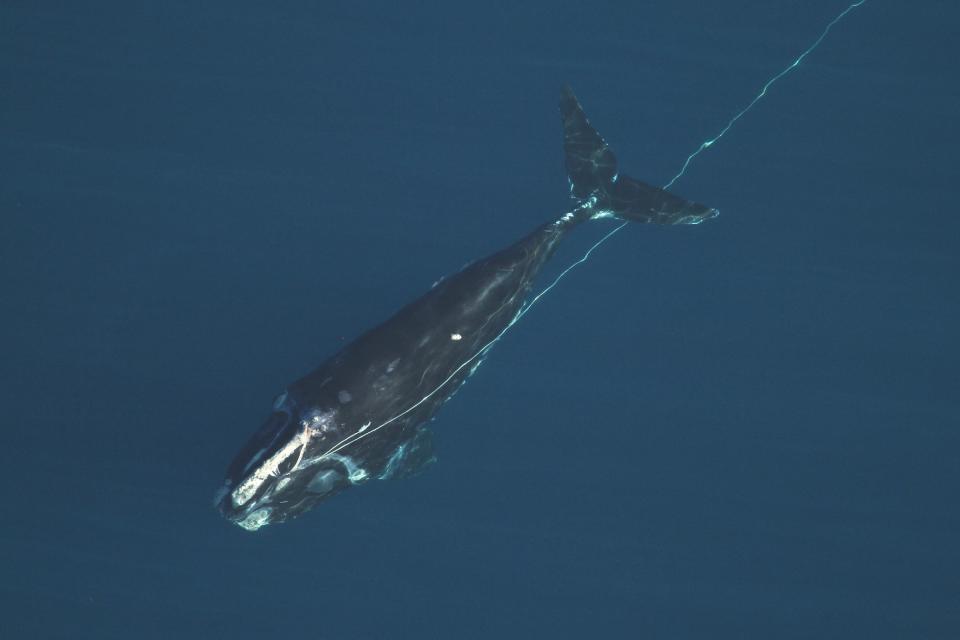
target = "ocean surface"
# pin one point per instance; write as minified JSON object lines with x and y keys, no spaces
{"x":744,"y":429}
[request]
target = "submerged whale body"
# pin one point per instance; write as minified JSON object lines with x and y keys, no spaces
{"x":362,"y":414}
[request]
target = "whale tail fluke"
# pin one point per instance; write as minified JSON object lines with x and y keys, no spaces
{"x":592,"y":170}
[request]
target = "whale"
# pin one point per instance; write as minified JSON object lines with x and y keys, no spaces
{"x":363,"y":414}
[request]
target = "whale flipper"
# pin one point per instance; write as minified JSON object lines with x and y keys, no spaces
{"x":411,"y":457}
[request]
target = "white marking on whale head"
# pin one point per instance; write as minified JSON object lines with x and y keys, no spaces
{"x":324,"y":482}
{"x":314,"y":423}
{"x":280,"y":403}
{"x":271,"y":468}
{"x":257,"y":519}
{"x":320,"y":421}
{"x":355,"y":473}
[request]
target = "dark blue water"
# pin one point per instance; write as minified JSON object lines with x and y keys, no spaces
{"x":747,"y":429}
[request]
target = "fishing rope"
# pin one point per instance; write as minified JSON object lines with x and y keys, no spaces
{"x":349,"y":440}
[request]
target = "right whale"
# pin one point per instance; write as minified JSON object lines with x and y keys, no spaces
{"x":362,"y":413}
